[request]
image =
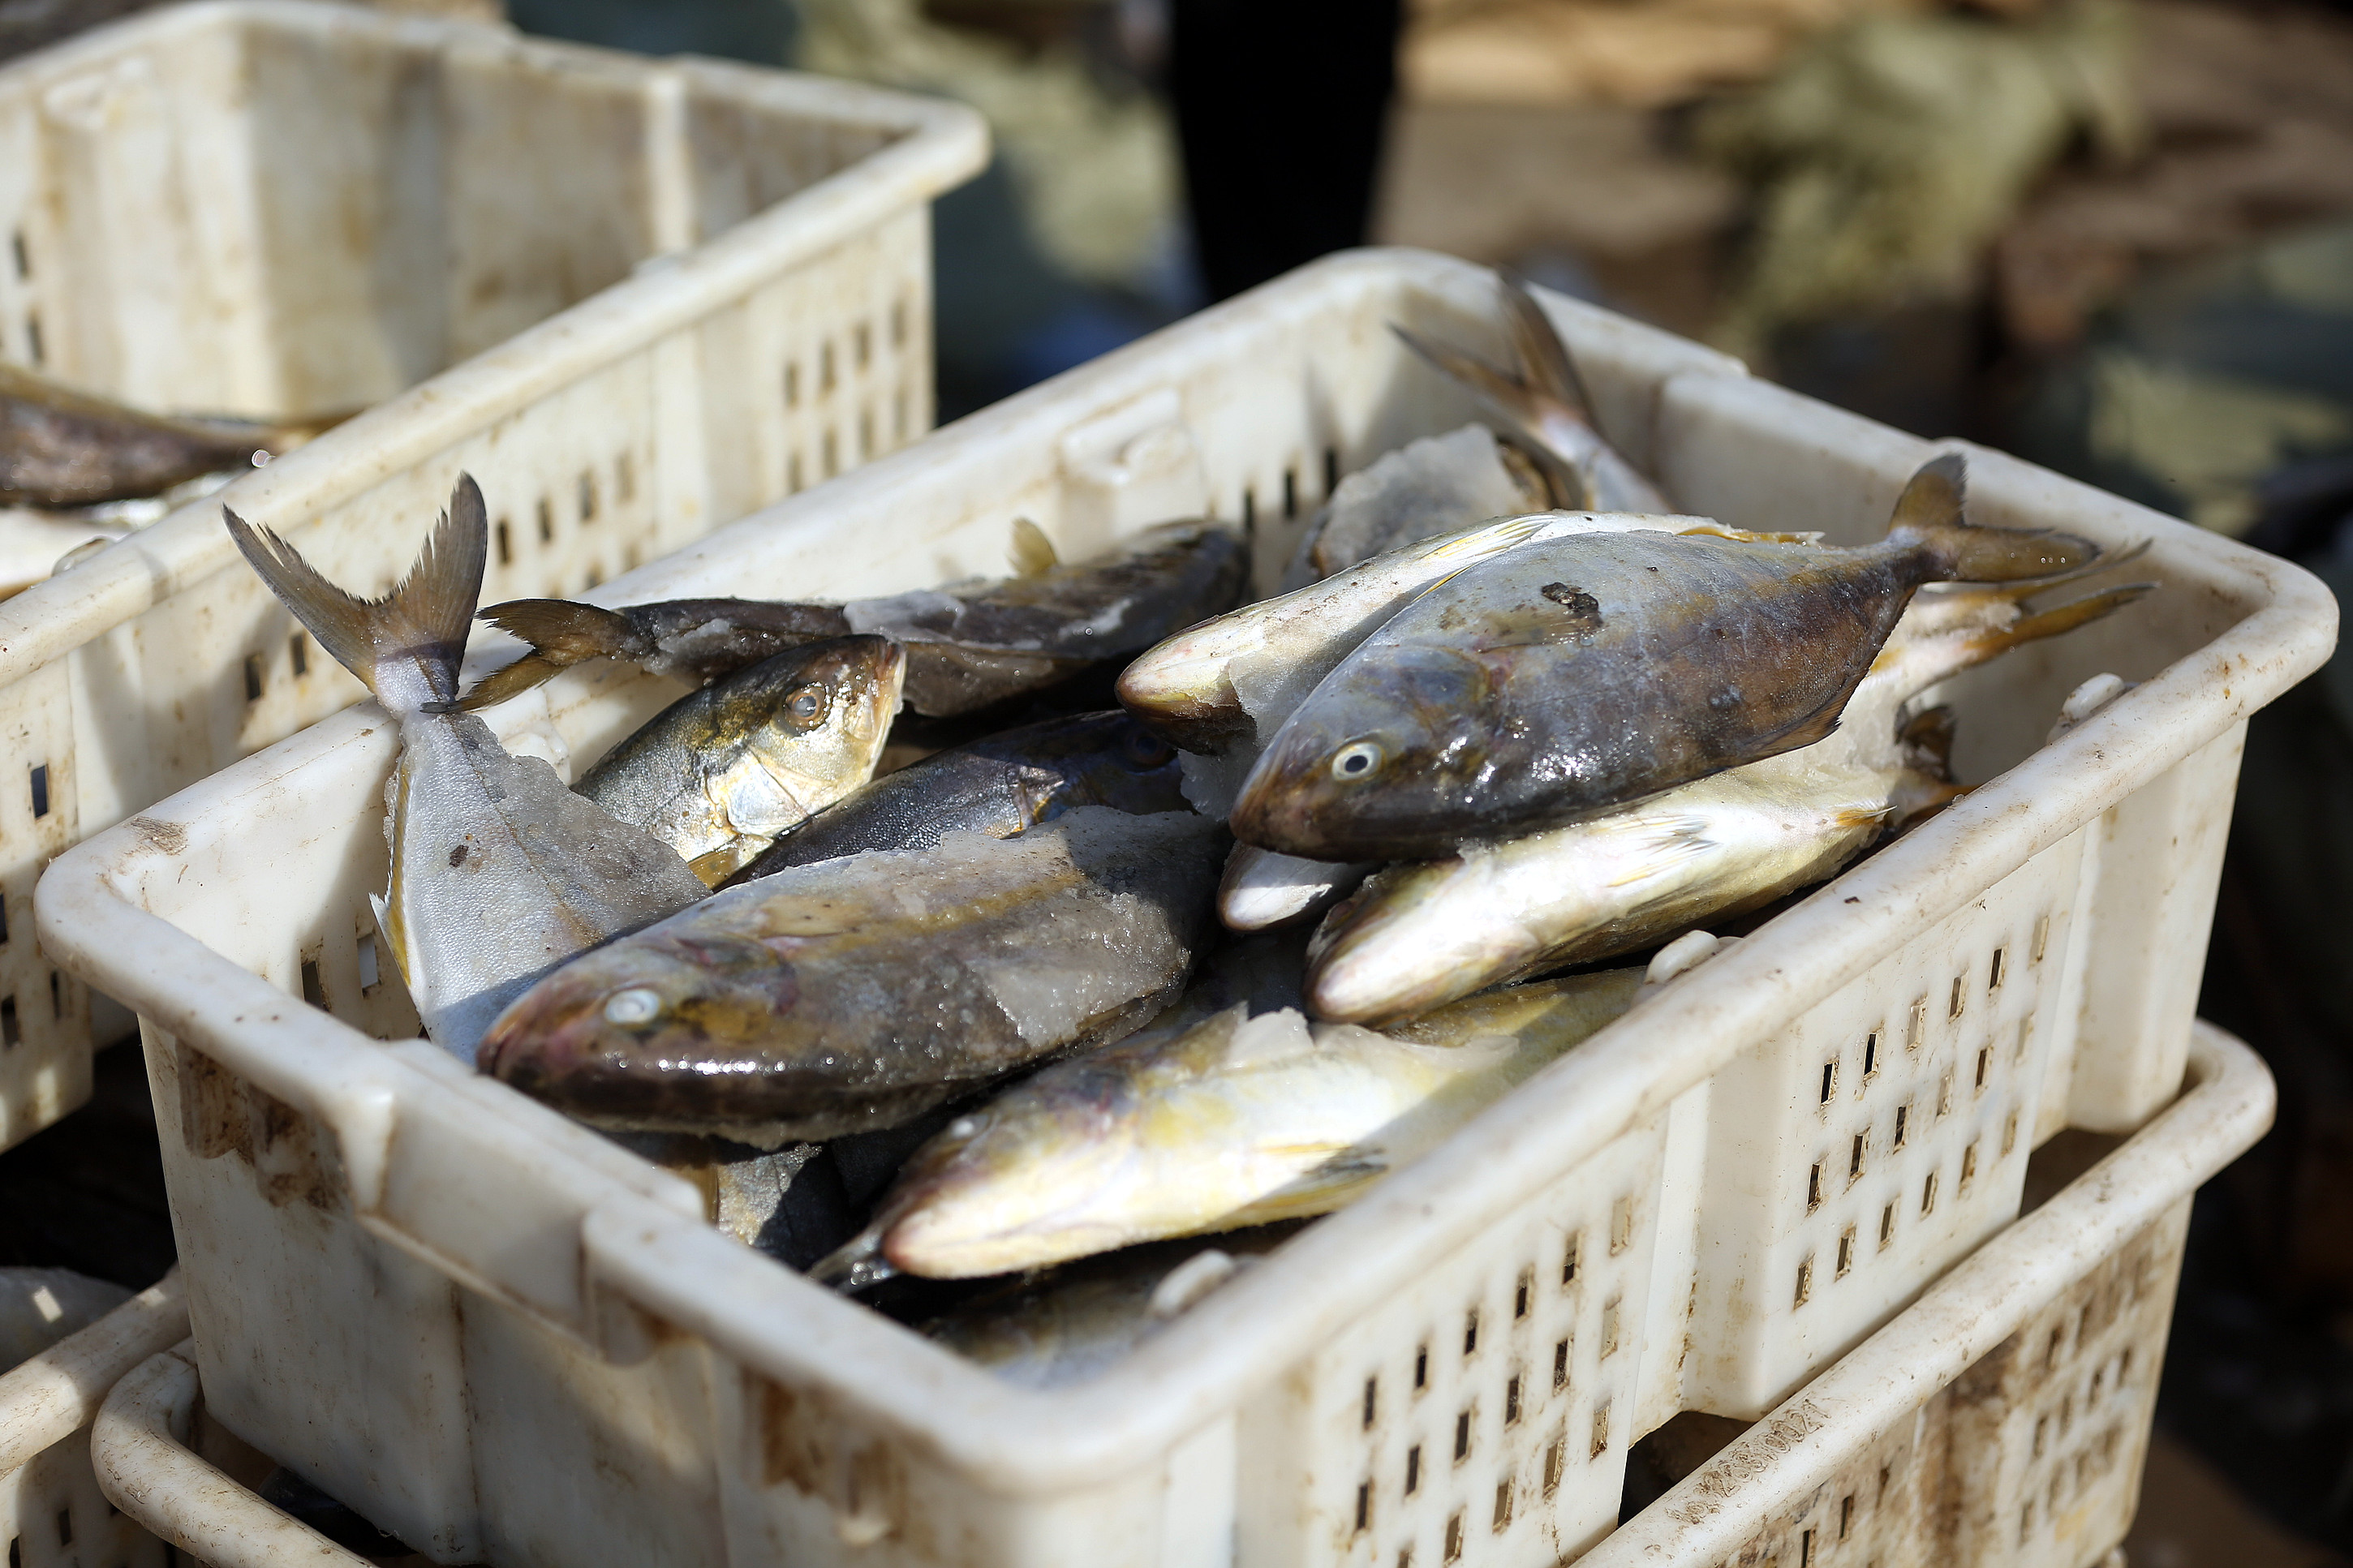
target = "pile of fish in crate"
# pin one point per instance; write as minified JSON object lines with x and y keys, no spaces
{"x":1028,"y":963}
{"x":937,"y":965}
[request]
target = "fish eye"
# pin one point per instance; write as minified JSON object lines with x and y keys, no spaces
{"x":636,"y":1005}
{"x":1357,"y":760}
{"x":1146,"y":750}
{"x":806,"y":706}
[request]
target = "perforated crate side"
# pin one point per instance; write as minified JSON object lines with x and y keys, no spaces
{"x":2030,"y":1460}
{"x":2051,"y":1430}
{"x":1884,"y":1510}
{"x":1879,"y":1141}
{"x":433,"y":1404}
{"x":1482,"y":1416}
{"x":52,"y":1515}
{"x":44,"y":1012}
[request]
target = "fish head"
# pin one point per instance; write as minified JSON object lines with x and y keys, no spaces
{"x":621,"y":1032}
{"x":1379,"y":764}
{"x":1414,"y":937}
{"x":1181,"y":689}
{"x":839,"y":695}
{"x":1007,"y":1186}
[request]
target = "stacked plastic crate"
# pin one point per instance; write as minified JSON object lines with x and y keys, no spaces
{"x":1782,"y":1189}
{"x":638,"y":299}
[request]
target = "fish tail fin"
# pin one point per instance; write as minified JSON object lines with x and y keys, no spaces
{"x":2059,"y":619}
{"x":1929,"y":514}
{"x":561,"y":634}
{"x":1519,"y":407}
{"x":421,"y":625}
{"x":2101,"y":561}
{"x":1550,"y":369}
{"x":1495,"y":386}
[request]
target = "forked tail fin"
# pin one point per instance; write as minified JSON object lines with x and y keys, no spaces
{"x":405,"y":645}
{"x":1515,"y":404}
{"x":1544,"y":360}
{"x":2058,"y":620}
{"x":561,"y":633}
{"x":1928,"y":513}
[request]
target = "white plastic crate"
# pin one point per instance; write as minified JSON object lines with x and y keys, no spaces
{"x":499,"y":1337}
{"x":1999,"y":1422}
{"x":52,"y":1514}
{"x":289,"y":209}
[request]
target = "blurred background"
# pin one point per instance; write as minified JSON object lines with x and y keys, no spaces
{"x":2114,"y":237}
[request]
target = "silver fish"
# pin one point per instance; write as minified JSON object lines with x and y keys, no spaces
{"x":1234,"y":677}
{"x":1574,"y":674}
{"x":1418,"y":936}
{"x":720,"y":772}
{"x":858,"y":993}
{"x":1235,"y":1121}
{"x":499,"y":872}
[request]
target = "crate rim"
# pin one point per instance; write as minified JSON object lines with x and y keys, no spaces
{"x":936,"y":143}
{"x":1027,"y":1442}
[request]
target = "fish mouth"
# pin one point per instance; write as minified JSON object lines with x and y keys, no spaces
{"x":1280,"y":811}
{"x":1190,"y":707}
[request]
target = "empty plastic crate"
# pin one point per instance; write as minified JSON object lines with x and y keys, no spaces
{"x":298,"y":210}
{"x":500,"y":1337}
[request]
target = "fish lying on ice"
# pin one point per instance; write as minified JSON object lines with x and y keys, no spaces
{"x":968,"y":646}
{"x":499,"y":872}
{"x":1231,"y":679}
{"x":856,"y":993}
{"x":1419,"y":935}
{"x":720,"y":772}
{"x":1572,"y":674}
{"x":1234,"y":1121}
{"x":1003,"y":784}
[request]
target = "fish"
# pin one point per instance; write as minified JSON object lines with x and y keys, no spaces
{"x":499,"y":872}
{"x":968,"y":646}
{"x":1236,"y":1121}
{"x":720,"y":772}
{"x":1435,"y":485}
{"x":1216,"y":687}
{"x":1263,"y":888}
{"x":1002,"y":785}
{"x":857,"y":993}
{"x":62,"y":447}
{"x":1418,"y":936}
{"x":1573,"y":674}
{"x":1545,"y":399}
{"x":1074,"y":1323}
